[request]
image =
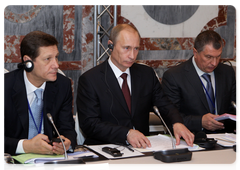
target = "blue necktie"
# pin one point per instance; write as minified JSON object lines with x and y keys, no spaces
{"x":209,"y":88}
{"x":36,"y":108}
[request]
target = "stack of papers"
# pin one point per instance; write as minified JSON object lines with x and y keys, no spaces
{"x":224,"y":139}
{"x":30,"y":158}
{"x":163,"y":142}
{"x":40,"y":159}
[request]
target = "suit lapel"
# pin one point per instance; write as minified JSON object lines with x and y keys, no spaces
{"x":20,"y":101}
{"x":135,"y":84}
{"x":50,"y":92}
{"x":195,"y":81}
{"x":218,"y":87}
{"x":110,"y":80}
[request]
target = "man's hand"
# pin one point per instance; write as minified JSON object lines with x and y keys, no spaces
{"x":182,"y":131}
{"x":209,"y":123}
{"x":58,"y":147}
{"x":137,"y":139}
{"x":38,"y":144}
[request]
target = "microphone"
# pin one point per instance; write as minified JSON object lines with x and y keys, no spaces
{"x":158,"y":113}
{"x":51,"y":120}
{"x":171,"y":155}
{"x":66,"y":160}
{"x":234,"y":104}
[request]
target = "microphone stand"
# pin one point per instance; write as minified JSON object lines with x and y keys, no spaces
{"x":66,"y":160}
{"x":171,"y":155}
{"x":173,"y":141}
{"x":51,"y":120}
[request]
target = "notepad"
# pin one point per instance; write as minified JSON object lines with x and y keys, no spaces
{"x":30,"y":158}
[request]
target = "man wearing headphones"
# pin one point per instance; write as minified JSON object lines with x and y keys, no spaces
{"x":114,"y":98}
{"x":32,"y":91}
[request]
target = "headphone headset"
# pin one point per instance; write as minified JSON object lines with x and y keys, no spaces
{"x":110,"y":46}
{"x":26,"y":65}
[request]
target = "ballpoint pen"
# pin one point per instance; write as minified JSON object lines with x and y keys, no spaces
{"x":129,"y":148}
{"x":126,"y":146}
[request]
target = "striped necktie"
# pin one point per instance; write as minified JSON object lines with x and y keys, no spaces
{"x":35,"y":117}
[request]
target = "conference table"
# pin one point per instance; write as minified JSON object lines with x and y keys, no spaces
{"x":217,"y":159}
{"x":201,"y":160}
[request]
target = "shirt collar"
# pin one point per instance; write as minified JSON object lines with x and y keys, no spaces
{"x":116,"y":70}
{"x":30,"y":88}
{"x":199,"y":71}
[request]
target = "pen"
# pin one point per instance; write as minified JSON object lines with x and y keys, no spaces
{"x":129,"y":148}
{"x":126,"y":146}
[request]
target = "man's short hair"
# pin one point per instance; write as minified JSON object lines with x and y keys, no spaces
{"x":118,"y":28}
{"x":208,"y":37}
{"x":33,"y":41}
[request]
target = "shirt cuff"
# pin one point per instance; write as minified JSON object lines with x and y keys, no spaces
{"x":20,"y":149}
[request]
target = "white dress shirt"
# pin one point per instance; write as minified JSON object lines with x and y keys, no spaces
{"x":30,"y":88}
{"x":200,"y":73}
{"x":117,"y":72}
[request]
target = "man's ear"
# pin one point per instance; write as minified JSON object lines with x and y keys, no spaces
{"x":26,"y":57}
{"x":195,"y":52}
{"x":110,"y":45}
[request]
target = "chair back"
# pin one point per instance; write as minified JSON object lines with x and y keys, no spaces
{"x":3,"y":70}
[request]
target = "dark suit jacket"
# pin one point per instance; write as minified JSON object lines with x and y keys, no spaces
{"x":183,"y":87}
{"x":103,"y":113}
{"x":57,"y":101}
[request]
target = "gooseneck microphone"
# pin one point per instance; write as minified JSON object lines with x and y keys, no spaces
{"x":171,"y":155}
{"x":66,"y":160}
{"x":51,"y":120}
{"x":158,"y":113}
{"x":235,"y":106}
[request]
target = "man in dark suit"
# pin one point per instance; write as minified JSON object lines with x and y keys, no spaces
{"x":187,"y":88}
{"x":55,"y":98}
{"x":109,"y":114}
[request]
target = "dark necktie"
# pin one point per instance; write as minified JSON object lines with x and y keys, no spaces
{"x":36,"y":108}
{"x":209,"y":93}
{"x":126,"y":91}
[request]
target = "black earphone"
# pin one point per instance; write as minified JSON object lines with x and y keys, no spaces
{"x":110,"y":46}
{"x":26,"y":65}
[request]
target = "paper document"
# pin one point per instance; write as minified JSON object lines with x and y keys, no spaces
{"x":163,"y":142}
{"x":40,"y":159}
{"x":126,"y":152}
{"x":85,"y":154}
{"x":30,"y":158}
{"x":224,"y":139}
{"x":226,"y":116}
